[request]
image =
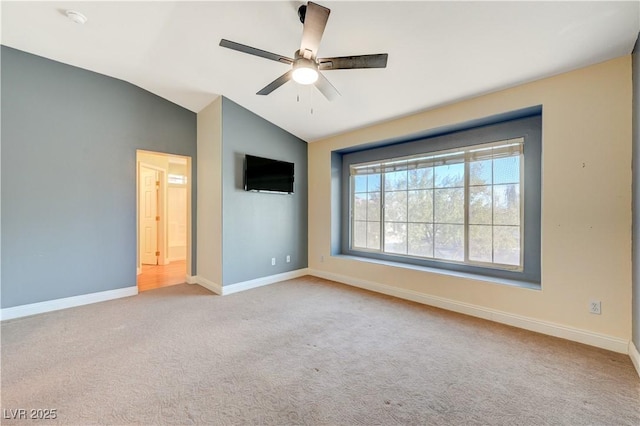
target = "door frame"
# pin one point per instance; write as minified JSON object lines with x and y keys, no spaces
{"x":162,"y":201}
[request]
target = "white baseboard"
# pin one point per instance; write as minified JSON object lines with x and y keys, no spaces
{"x":635,"y":356}
{"x":259,"y":282}
{"x":67,"y":302}
{"x":191,"y":279}
{"x":247,"y":285}
{"x":557,"y":330}
{"x":209,"y":285}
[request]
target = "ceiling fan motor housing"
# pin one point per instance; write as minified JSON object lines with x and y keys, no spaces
{"x":305,"y":63}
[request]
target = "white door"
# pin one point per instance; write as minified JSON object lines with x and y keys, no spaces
{"x":149,"y":218}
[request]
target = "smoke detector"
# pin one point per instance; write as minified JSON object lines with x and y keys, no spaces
{"x":76,"y":17}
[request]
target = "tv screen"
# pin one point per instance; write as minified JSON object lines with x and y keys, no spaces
{"x":266,"y":175}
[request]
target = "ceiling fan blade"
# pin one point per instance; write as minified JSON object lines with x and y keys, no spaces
{"x":276,"y":83}
{"x":326,"y":88}
{"x":353,"y":62}
{"x":253,"y":51}
{"x":315,"y":21}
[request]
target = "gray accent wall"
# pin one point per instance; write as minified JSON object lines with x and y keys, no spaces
{"x":69,"y":141}
{"x":636,"y":196}
{"x":259,"y":226}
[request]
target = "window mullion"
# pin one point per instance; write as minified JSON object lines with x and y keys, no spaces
{"x":466,"y":210}
{"x":493,"y":206}
{"x":383,"y":203}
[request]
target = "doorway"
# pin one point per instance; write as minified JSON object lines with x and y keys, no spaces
{"x":164,"y":219}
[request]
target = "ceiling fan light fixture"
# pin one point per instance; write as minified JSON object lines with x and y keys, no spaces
{"x":305,"y":75}
{"x":305,"y":71}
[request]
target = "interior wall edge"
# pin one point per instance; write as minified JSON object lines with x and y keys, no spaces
{"x":209,"y":285}
{"x":635,"y":356}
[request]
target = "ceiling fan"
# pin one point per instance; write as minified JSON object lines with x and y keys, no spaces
{"x":305,"y":66}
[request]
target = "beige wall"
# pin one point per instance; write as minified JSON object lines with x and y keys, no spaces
{"x":209,"y":216}
{"x":586,"y":203}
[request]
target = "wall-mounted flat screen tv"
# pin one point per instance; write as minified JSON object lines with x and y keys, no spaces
{"x":266,"y":175}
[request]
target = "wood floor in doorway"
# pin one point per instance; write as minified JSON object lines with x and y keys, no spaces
{"x":156,"y":276}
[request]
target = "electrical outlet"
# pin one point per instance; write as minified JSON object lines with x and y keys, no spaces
{"x":595,"y":307}
{"x":321,"y":258}
{"x":288,"y":258}
{"x":273,"y":261}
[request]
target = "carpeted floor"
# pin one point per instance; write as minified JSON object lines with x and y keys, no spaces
{"x":305,"y":351}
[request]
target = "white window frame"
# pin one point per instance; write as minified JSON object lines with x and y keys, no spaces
{"x":465,"y":155}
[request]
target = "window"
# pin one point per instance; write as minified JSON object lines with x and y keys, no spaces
{"x":177,"y":179}
{"x":467,"y":201}
{"x":460,"y":205}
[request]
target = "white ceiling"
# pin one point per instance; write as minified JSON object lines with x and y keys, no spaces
{"x":439,"y":52}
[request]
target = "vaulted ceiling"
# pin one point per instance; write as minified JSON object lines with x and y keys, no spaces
{"x":439,"y":52}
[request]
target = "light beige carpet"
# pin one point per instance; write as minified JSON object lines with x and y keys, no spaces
{"x":305,"y":351}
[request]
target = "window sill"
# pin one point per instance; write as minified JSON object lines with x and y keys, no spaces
{"x":457,"y":274}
